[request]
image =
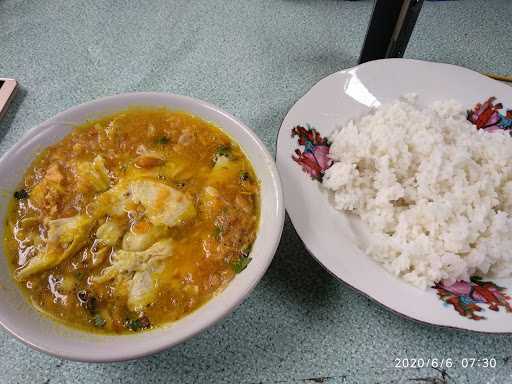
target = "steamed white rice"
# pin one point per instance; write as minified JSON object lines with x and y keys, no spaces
{"x":435,"y":192}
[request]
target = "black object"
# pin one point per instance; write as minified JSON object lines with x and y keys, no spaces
{"x":390,"y":28}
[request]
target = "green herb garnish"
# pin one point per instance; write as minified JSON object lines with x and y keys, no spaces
{"x":244,"y":176}
{"x":137,"y":324}
{"x":246,"y":250}
{"x":162,"y":140}
{"x":133,"y":325}
{"x":242,"y":263}
{"x":223,"y":150}
{"x":21,"y":194}
{"x":99,"y":321}
{"x":217,"y":231}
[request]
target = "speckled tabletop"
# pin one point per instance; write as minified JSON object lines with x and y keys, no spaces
{"x":254,"y":58}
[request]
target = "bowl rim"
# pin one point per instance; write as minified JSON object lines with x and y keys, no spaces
{"x":221,"y":311}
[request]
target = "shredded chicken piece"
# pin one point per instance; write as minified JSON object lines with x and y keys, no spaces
{"x":138,"y":271}
{"x":65,"y":237}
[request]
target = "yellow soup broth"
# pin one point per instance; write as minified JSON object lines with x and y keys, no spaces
{"x":132,"y":221}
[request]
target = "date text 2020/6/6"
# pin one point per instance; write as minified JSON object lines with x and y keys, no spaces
{"x":466,"y":362}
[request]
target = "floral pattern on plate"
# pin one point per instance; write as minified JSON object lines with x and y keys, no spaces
{"x":486,"y":116}
{"x":314,"y":159}
{"x":466,"y":297}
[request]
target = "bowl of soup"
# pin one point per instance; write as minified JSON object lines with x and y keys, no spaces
{"x":132,"y":223}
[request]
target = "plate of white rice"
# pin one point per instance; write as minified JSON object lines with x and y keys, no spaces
{"x":397,"y":176}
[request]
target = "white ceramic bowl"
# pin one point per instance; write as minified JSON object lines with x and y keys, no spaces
{"x":43,"y":334}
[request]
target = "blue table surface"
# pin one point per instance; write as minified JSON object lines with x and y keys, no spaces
{"x":253,"y":58}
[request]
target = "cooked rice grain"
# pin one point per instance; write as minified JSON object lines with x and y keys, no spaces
{"x":435,"y":192}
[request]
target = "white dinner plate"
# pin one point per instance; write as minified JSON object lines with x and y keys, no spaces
{"x":333,"y":238}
